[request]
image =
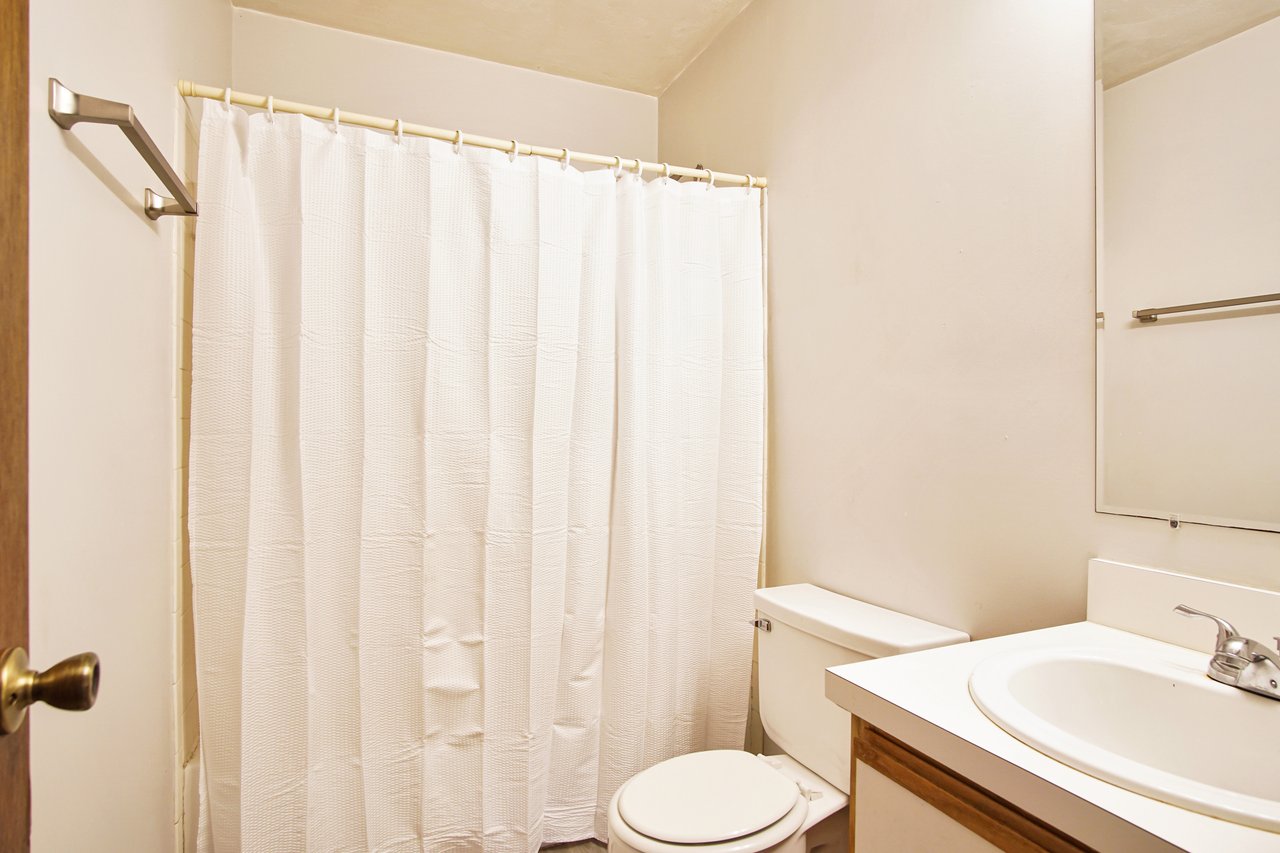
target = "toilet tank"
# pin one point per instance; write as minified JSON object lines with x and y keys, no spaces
{"x":811,"y":629}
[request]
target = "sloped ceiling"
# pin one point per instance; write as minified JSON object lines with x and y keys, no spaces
{"x":1137,"y":36}
{"x":642,"y":46}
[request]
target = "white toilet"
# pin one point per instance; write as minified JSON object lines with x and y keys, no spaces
{"x":729,"y":801}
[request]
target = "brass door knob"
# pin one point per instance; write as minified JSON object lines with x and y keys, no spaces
{"x":71,"y":685}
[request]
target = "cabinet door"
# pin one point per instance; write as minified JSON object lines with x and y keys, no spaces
{"x":903,"y":800}
{"x":892,"y":819}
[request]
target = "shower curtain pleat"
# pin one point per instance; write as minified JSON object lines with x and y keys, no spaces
{"x":457,"y":486}
{"x":328,"y":394}
{"x":739,"y":474}
{"x":569,"y":806}
{"x":397,"y":217}
{"x":475,"y":487}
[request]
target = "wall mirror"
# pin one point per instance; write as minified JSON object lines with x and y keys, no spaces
{"x":1188,"y":213}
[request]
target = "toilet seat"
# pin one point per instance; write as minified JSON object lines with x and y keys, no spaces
{"x":726,"y":801}
{"x":705,"y":797}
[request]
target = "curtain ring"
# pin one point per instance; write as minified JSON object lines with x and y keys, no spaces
{"x":271,"y":108}
{"x":515,"y":150}
{"x":711,"y":180}
{"x":399,"y":131}
{"x":457,"y":142}
{"x":564,"y":162}
{"x":751,"y":182}
{"x":226,"y":98}
{"x":639,"y":169}
{"x":617,"y":167}
{"x":337,"y":119}
{"x":666,"y":171}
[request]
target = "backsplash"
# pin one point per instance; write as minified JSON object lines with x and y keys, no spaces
{"x":1141,"y":600}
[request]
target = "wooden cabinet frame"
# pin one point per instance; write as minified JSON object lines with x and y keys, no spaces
{"x":15,"y":779}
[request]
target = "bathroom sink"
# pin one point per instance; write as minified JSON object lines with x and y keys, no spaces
{"x":1154,"y":725}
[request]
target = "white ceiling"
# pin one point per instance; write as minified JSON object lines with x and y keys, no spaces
{"x":638,"y":46}
{"x":1137,"y":36}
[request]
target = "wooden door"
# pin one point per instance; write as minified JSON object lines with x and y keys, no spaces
{"x":15,"y":780}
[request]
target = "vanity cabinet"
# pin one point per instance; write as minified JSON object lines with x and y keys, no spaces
{"x":903,"y":800}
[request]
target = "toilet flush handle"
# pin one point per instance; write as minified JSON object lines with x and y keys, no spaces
{"x":763,"y":624}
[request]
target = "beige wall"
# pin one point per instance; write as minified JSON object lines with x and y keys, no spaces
{"x":104,"y":441}
{"x":318,"y":65}
{"x":1192,"y":211}
{"x":931,"y":298}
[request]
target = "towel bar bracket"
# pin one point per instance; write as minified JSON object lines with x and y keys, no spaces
{"x":68,"y":108}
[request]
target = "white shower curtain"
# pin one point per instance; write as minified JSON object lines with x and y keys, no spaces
{"x":475,"y":496}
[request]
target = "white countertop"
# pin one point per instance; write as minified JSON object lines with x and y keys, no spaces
{"x":923,"y":700}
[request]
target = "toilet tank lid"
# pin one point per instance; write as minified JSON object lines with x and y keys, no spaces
{"x":855,"y":625}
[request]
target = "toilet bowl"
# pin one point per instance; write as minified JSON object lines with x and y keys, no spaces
{"x":730,"y":801}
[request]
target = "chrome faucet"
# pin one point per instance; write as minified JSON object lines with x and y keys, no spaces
{"x":1239,"y":661}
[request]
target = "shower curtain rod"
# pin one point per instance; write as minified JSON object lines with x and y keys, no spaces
{"x":263,"y":102}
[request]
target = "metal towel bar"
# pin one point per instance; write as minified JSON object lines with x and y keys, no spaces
{"x":69,"y":108}
{"x":1150,"y":315}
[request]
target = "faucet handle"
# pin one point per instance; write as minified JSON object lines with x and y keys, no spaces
{"x":1226,"y":631}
